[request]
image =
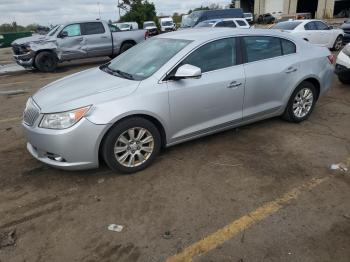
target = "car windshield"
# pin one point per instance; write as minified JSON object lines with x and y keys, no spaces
{"x":290,"y":25}
{"x":206,"y":24}
{"x":167,"y":23}
{"x":149,"y":24}
{"x":53,"y":30}
{"x":144,"y":59}
{"x":190,"y":20}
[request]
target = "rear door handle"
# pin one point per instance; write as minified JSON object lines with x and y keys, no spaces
{"x":103,"y":36}
{"x":234,"y":84}
{"x":291,"y":70}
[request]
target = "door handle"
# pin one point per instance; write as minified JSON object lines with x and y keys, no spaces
{"x":103,"y":36}
{"x":291,"y":70}
{"x":234,"y":84}
{"x":80,"y":39}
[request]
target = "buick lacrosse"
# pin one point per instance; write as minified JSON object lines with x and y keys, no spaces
{"x":172,"y":88}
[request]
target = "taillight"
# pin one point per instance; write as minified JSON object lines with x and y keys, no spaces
{"x":331,"y":59}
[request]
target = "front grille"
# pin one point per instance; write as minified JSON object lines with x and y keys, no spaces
{"x":31,"y":113}
{"x":19,"y":49}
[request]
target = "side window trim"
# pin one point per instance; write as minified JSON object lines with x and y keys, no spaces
{"x":244,"y":56}
{"x":239,"y":59}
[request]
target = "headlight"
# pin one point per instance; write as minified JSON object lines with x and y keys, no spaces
{"x":346,"y":50}
{"x":64,"y":119}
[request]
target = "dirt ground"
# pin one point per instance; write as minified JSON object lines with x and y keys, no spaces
{"x":191,"y":191}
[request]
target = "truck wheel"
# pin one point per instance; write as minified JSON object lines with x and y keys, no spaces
{"x":125,"y":47}
{"x":46,"y":61}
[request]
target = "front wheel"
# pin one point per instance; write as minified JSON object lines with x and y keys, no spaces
{"x":301,"y":103}
{"x":131,"y":145}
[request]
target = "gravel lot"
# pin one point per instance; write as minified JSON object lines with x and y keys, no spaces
{"x":191,"y":191}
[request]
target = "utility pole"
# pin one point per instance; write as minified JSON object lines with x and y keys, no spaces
{"x":99,"y":10}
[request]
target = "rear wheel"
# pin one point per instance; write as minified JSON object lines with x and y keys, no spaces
{"x":131,"y":145}
{"x":301,"y":103}
{"x":338,"y":43}
{"x":46,"y":61}
{"x":125,"y":47}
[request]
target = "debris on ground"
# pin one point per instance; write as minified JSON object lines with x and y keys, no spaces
{"x":340,"y":167}
{"x":13,"y":92}
{"x":101,"y":180}
{"x":8,"y":238}
{"x":224,"y":164}
{"x":115,"y":228}
{"x":167,"y":235}
{"x":8,"y":129}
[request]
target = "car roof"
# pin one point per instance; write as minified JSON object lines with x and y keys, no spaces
{"x":206,"y":34}
{"x":221,"y":19}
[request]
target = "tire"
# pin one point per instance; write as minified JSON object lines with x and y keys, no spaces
{"x":46,"y":62}
{"x":344,"y":80}
{"x":125,"y":47}
{"x":338,"y":44}
{"x":122,"y":148}
{"x":296,"y":112}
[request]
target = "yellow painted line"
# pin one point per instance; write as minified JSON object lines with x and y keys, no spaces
{"x":229,"y":231}
{"x":10,"y":119}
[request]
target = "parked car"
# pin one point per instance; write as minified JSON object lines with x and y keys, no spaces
{"x":266,"y":19}
{"x":127,"y":26}
{"x":196,"y":17}
{"x":228,"y":22}
{"x":342,"y":67}
{"x":73,"y":41}
{"x":151,"y":27}
{"x":249,"y":17}
{"x":195,"y":83}
{"x":166,"y":24}
{"x":346,"y":29}
{"x":314,"y":31}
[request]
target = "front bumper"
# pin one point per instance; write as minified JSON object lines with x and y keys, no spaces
{"x":74,"y":148}
{"x":25,"y":60}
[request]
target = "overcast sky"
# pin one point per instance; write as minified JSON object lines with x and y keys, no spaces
{"x":48,"y":12}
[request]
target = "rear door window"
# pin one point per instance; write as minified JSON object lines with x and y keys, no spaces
{"x":262,"y":47}
{"x":310,"y":26}
{"x":93,"y":28}
{"x":226,"y":24}
{"x":321,"y":26}
{"x":241,"y":23}
{"x":288,"y":47}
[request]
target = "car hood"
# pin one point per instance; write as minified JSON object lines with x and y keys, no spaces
{"x":89,"y":87}
{"x":30,"y":39}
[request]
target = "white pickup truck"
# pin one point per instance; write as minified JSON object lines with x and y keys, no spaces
{"x":71,"y":41}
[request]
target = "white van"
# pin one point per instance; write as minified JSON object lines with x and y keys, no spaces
{"x":166,"y":24}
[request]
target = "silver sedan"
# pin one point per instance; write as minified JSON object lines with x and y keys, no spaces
{"x":173,"y":88}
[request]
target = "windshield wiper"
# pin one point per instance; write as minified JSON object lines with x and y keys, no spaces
{"x":123,"y":74}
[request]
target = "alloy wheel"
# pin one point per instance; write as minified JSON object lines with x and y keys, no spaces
{"x":303,"y":102}
{"x":134,"y":147}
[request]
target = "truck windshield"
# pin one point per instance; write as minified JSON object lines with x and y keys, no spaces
{"x":167,"y":23}
{"x":146,"y":58}
{"x":149,"y":24}
{"x":191,"y":20}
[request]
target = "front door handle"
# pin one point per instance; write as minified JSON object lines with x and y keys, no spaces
{"x":234,"y":84}
{"x":80,"y":39}
{"x":291,"y":70}
{"x":103,"y":36}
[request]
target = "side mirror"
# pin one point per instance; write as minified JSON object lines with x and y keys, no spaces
{"x":188,"y":71}
{"x":63,"y":34}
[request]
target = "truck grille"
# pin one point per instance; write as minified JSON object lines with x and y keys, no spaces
{"x":31,"y":113}
{"x":18,"y":49}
